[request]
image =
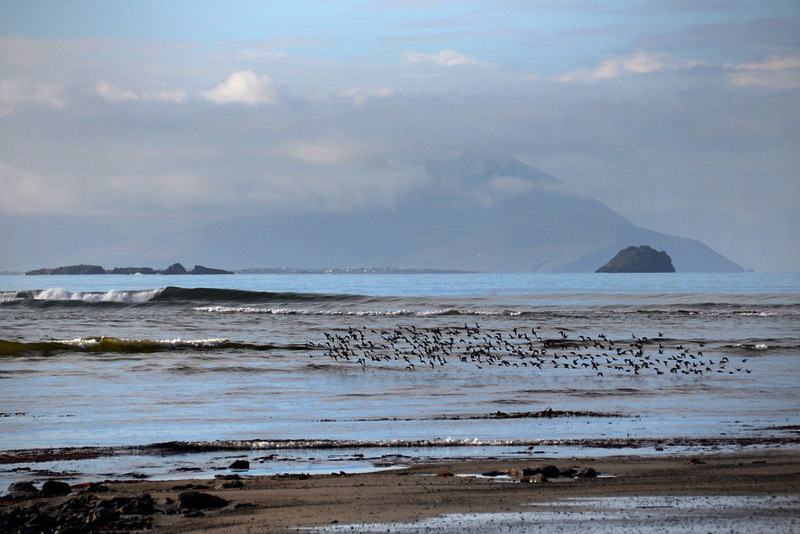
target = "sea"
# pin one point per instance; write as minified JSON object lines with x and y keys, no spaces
{"x":156,"y":376}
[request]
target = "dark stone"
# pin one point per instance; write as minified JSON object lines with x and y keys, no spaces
{"x":240,"y":464}
{"x":175,"y":268}
{"x":587,"y":472}
{"x":199,"y":269}
{"x":233,"y":484}
{"x":42,"y":520}
{"x":55,"y":487}
{"x":23,"y":488}
{"x":194,"y":513}
{"x":95,"y":487}
{"x":549,"y":471}
{"x":567,"y":472}
{"x":642,"y":259}
{"x":80,"y":502}
{"x":195,"y":500}
{"x":101,"y":516}
{"x":141,"y":505}
{"x":493,"y":473}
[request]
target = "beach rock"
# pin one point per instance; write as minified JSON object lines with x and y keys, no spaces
{"x":141,"y":505}
{"x":195,"y":500}
{"x":52,"y":488}
{"x":240,"y":464}
{"x":549,"y":471}
{"x":493,"y":473}
{"x":22,"y":489}
{"x":586,"y":472}
{"x":233,"y":484}
{"x":101,"y":516}
{"x":567,"y":472}
{"x":95,"y":487}
{"x":642,"y":259}
{"x":538,"y":478}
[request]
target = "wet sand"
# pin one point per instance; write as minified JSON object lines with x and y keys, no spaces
{"x":288,"y":502}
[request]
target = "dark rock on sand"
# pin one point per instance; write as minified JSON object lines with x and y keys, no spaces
{"x":141,"y":505}
{"x":587,"y":472}
{"x":549,"y":471}
{"x":240,"y":464}
{"x":567,"y":472}
{"x":94,"y":487}
{"x":642,"y":259}
{"x":84,"y":513}
{"x":22,"y":490}
{"x":195,"y":500}
{"x":233,"y":484}
{"x":55,"y":487}
{"x":493,"y":473}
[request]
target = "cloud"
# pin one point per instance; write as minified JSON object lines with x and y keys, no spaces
{"x":360,"y":96}
{"x":445,"y":58}
{"x":776,"y":72}
{"x":639,"y":63}
{"x":23,"y":191}
{"x":16,"y":91}
{"x":113,"y":93}
{"x":244,"y":87}
{"x":116,"y":94}
{"x":323,"y":153}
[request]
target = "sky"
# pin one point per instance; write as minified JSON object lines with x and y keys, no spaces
{"x":681,"y":115}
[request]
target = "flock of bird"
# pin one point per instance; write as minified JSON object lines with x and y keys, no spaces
{"x":417,"y":348}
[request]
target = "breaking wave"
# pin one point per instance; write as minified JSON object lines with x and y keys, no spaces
{"x":169,"y":294}
{"x":357,"y":313}
{"x":115,"y":345}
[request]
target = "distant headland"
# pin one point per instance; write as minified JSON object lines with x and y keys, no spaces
{"x":175,"y":268}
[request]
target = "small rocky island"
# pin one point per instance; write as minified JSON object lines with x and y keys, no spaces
{"x":642,"y":259}
{"x":175,"y":268}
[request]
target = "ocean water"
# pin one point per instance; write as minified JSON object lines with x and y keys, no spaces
{"x":350,"y":371}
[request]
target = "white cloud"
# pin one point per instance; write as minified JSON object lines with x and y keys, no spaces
{"x":170,"y":95}
{"x":776,"y":72}
{"x":445,"y":58}
{"x":324,"y":153}
{"x":22,"y":191}
{"x":16,"y":91}
{"x":116,"y":94}
{"x":638,"y":63}
{"x":360,"y":96}
{"x":113,"y":93}
{"x":245,"y":87}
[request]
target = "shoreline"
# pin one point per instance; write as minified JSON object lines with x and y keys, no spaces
{"x":281,"y":503}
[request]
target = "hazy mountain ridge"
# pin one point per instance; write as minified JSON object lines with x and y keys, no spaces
{"x":479,"y":215}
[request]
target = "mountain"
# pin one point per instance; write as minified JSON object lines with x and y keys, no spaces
{"x":476,"y":215}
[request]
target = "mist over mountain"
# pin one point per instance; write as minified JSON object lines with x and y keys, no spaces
{"x":478,"y":214}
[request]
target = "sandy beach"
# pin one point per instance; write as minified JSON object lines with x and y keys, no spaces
{"x":767,"y":477}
